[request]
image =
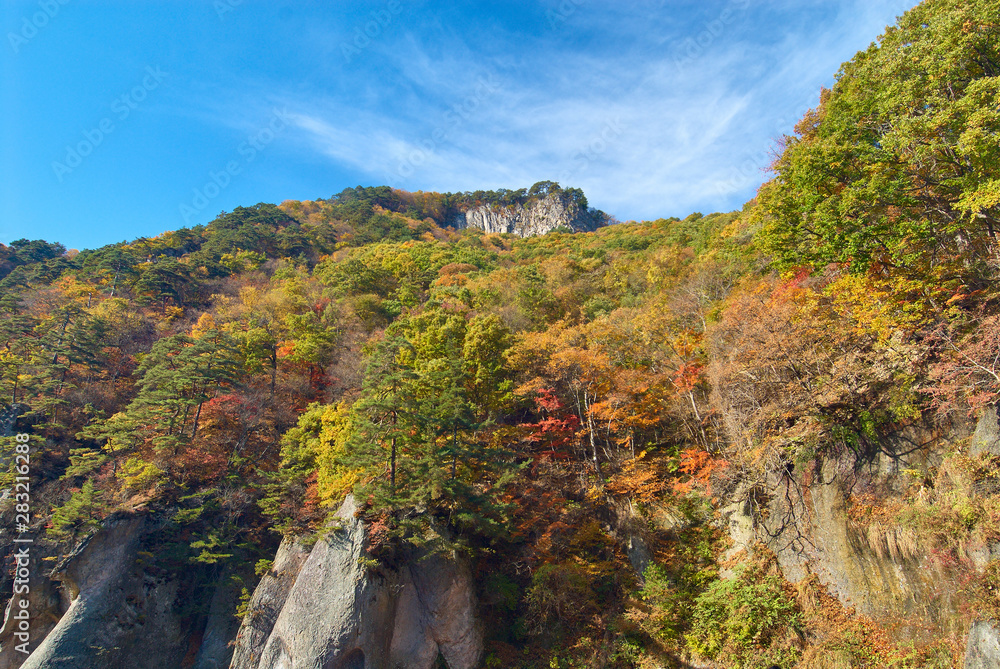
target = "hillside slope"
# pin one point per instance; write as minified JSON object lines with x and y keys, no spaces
{"x":735,"y":440}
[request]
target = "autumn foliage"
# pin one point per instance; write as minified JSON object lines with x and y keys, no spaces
{"x":572,"y":411}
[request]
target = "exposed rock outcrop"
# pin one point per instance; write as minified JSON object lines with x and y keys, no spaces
{"x":268,"y":599}
{"x":881,"y":572}
{"x":884,"y":577}
{"x":339,"y":614}
{"x":106,"y":606}
{"x":221,"y":626}
{"x":45,"y":606}
{"x":639,"y":555}
{"x":536,"y":218}
{"x":986,"y":438}
{"x":983,"y":647}
{"x":119,"y":617}
{"x":8,"y":417}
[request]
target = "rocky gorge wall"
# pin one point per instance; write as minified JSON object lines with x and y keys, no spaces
{"x":329,"y":609}
{"x":882,"y":572}
{"x":101,"y":608}
{"x":322,"y":607}
{"x":327,"y":606}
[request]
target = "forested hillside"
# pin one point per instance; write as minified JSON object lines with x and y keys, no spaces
{"x":577,"y":414}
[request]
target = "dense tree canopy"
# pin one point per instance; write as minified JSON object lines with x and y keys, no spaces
{"x":897,"y":169}
{"x":562,"y":406}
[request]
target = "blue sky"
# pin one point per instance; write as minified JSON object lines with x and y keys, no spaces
{"x":126,"y":119}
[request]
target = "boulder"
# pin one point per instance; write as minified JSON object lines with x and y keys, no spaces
{"x":983,"y":650}
{"x":986,"y":438}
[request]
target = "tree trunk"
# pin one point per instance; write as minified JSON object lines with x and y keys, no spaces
{"x":197,"y":415}
{"x":697,"y":415}
{"x":392,"y":457}
{"x":274,"y":367}
{"x":590,"y":431}
{"x":392,"y":466}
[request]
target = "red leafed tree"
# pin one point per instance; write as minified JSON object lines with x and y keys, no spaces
{"x":557,"y":428}
{"x":969,"y":372}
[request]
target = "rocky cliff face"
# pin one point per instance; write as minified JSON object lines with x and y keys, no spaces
{"x":45,"y":604}
{"x":883,"y":573}
{"x":7,"y":419}
{"x":983,"y":651}
{"x":537,"y":218}
{"x":100,"y":608}
{"x":267,"y":602}
{"x":335,"y":613}
{"x":325,"y":607}
{"x":320,"y":608}
{"x":105,"y":613}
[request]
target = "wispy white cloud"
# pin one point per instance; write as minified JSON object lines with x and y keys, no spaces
{"x":650,"y":131}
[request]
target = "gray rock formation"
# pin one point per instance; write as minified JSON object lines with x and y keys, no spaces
{"x":983,"y":651}
{"x":268,"y":599}
{"x":221,"y":627}
{"x":120,"y":617}
{"x":539,"y":217}
{"x":8,"y":417}
{"x":100,"y":619}
{"x":45,"y":606}
{"x":639,"y":556}
{"x":110,"y":612}
{"x":338,"y":614}
{"x":986,"y":438}
{"x":881,"y":572}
